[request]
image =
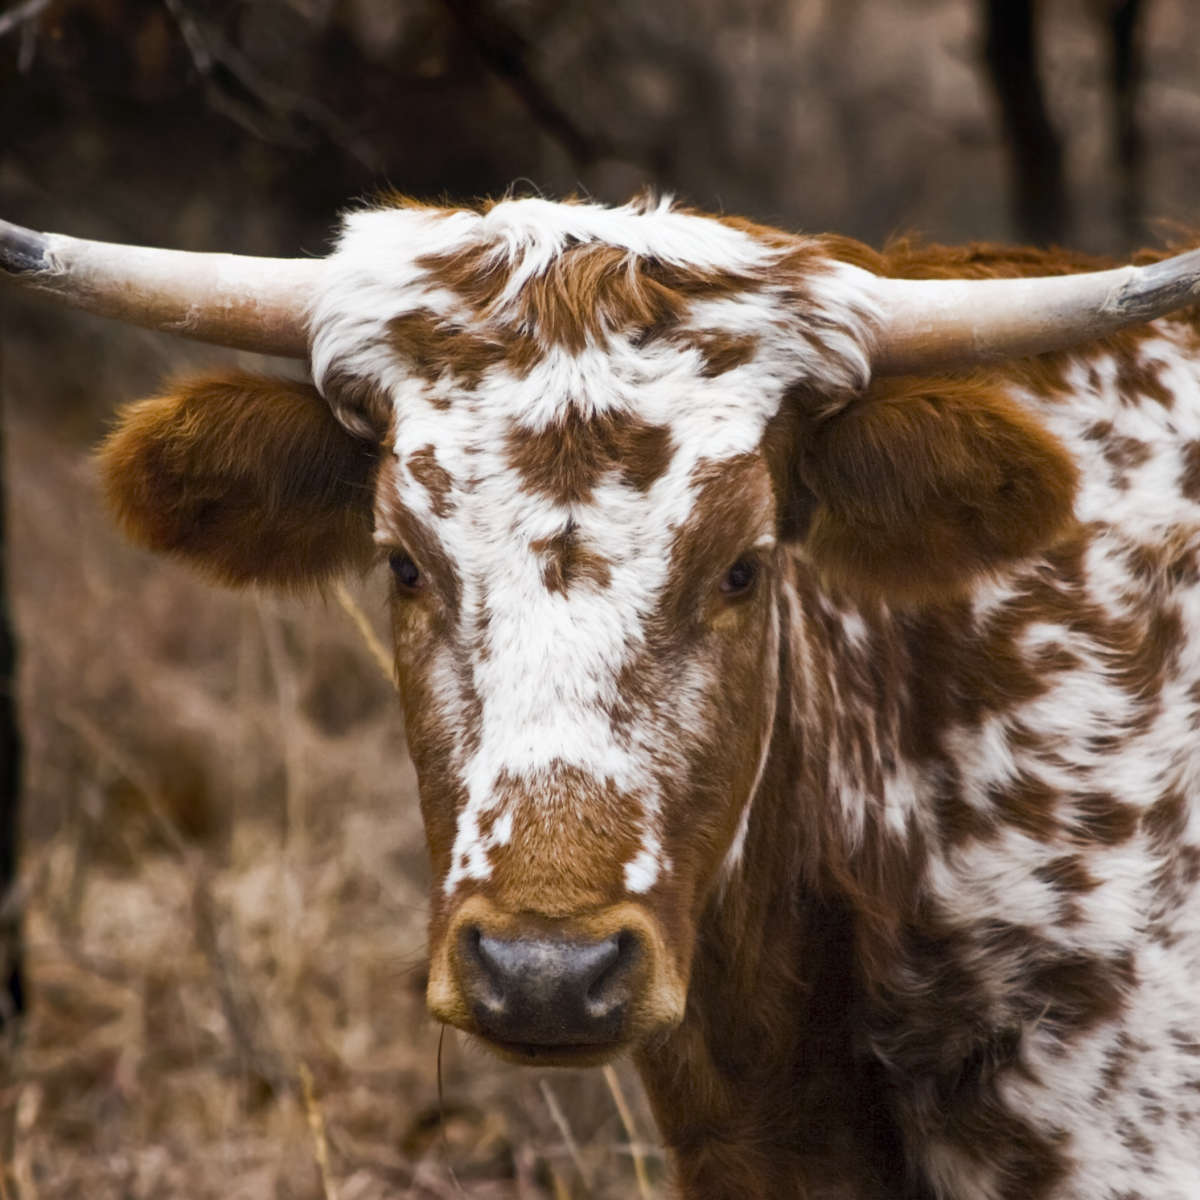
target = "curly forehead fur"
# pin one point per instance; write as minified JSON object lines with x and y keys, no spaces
{"x":582,"y":306}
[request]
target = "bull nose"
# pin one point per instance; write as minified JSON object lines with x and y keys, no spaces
{"x":543,"y":991}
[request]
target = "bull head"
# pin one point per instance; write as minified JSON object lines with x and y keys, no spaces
{"x":595,"y":447}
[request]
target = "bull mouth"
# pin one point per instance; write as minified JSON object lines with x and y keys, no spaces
{"x":563,"y":1054}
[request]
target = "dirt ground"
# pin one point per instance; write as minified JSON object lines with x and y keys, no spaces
{"x":224,"y":877}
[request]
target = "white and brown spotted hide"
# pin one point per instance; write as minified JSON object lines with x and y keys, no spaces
{"x":850,"y":725}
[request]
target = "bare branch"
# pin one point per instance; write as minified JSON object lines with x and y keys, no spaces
{"x":504,"y":51}
{"x":213,"y":56}
{"x":20,"y":13}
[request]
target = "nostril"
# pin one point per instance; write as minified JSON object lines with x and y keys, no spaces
{"x":596,"y":963}
{"x":472,"y":945}
{"x":484,"y":972}
{"x":604,"y":967}
{"x":611,"y":987}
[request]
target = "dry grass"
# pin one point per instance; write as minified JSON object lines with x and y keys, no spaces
{"x":225,"y":894}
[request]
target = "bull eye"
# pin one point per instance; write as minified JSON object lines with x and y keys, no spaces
{"x":739,"y":579}
{"x":405,"y":572}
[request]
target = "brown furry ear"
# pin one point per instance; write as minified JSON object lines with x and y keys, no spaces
{"x":921,"y":486}
{"x":250,"y":479}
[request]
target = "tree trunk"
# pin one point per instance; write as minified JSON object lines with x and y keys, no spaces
{"x":1037,"y":184}
{"x":12,"y":992}
{"x":1125,"y":75}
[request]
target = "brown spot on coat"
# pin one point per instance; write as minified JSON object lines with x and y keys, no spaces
{"x":1185,"y":1041}
{"x":567,"y":561}
{"x":720,"y":351}
{"x":958,"y":821}
{"x":1189,"y":481}
{"x":1067,"y":873}
{"x":1136,"y":1142}
{"x":1124,"y":453}
{"x":1148,"y":655}
{"x":1117,"y":1061}
{"x":1137,"y":378}
{"x":1101,"y":818}
{"x":427,"y":471}
{"x":1166,"y":820}
{"x":1028,"y":804}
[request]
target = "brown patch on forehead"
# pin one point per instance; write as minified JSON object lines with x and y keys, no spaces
{"x":699,"y":283}
{"x":591,"y":291}
{"x":566,"y":561}
{"x":476,"y":274}
{"x":427,"y":471}
{"x":433,"y":348}
{"x":566,"y":461}
{"x":588,"y":292}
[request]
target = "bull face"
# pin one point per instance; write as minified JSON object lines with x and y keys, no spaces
{"x":590,"y":445}
{"x":582,"y":527}
{"x":588,"y":684}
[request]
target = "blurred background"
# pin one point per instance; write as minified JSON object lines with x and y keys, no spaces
{"x":222,"y":874}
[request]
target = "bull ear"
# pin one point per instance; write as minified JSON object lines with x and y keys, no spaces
{"x":919,"y":487}
{"x":250,"y":479}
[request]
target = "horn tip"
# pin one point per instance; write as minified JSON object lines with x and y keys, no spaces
{"x":22,"y":251}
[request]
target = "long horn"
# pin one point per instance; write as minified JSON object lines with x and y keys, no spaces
{"x":943,"y":324}
{"x":234,"y":300}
